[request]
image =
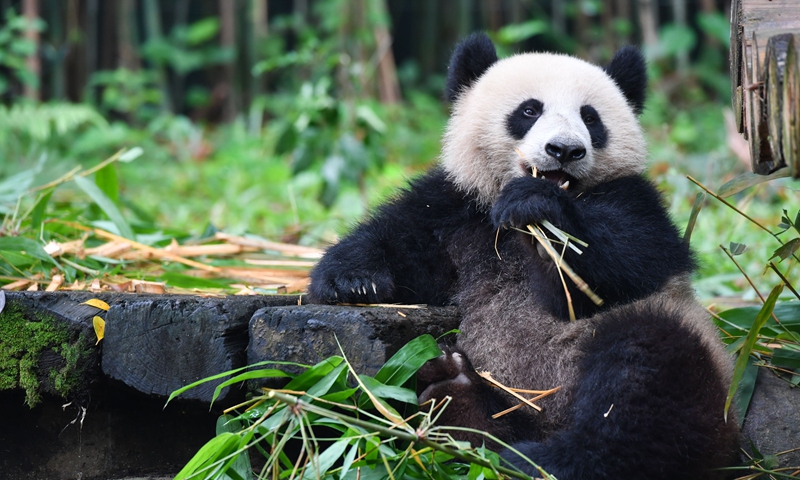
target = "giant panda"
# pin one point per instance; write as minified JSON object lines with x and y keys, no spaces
{"x":643,"y":377}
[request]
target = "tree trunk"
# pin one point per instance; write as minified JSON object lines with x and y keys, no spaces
{"x":30,"y":9}
{"x":227,"y":16}
{"x":388,"y":85}
{"x":154,"y":32}
{"x":127,"y":31}
{"x":648,"y":22}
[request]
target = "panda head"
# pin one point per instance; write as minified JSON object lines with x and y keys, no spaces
{"x":571,"y":120}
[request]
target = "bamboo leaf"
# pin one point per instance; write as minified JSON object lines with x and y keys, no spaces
{"x":106,"y":180}
{"x":749,"y":179}
{"x":786,"y":358}
{"x":405,"y":363}
{"x":388,"y":391}
{"x":320,"y":465}
{"x":699,"y":201}
{"x":737,"y":248}
{"x":106,"y":205}
{"x":37,"y":213}
{"x":26,"y":246}
{"x":216,"y":448}
{"x":252,"y":375}
{"x":752,"y":336}
{"x":787,"y":249}
{"x":131,"y":155}
{"x":746,"y":388}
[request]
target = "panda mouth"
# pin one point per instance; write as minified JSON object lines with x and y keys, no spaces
{"x":559,"y":177}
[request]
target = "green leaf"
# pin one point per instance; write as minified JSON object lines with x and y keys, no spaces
{"x":239,"y":467}
{"x":215,"y":449}
{"x":518,"y":32}
{"x":37,"y":214}
{"x":787,"y":249}
{"x":749,"y":179}
{"x":227,"y":374}
{"x":752,"y":336}
{"x":323,"y":386}
{"x":308,"y":379}
{"x":699,"y":201}
{"x":737,"y":248}
{"x":381,"y":390}
{"x":746,"y":388}
{"x":252,"y":375}
{"x":319,"y":466}
{"x":180,"y":280}
{"x":405,"y":363}
{"x":106,"y":205}
{"x":783,"y":357}
{"x":348,"y":461}
{"x":131,"y":155}
{"x":106,"y":181}
{"x":26,"y":246}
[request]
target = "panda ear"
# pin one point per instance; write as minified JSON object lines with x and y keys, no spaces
{"x":471,"y":57}
{"x":629,"y":70}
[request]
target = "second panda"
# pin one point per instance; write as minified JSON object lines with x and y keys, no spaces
{"x":644,"y":376}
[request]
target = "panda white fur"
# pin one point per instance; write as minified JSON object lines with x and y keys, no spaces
{"x":644,"y":377}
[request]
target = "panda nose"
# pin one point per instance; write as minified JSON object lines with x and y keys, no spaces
{"x":565,"y":153}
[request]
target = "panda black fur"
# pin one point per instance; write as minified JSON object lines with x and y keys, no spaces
{"x":644,"y":377}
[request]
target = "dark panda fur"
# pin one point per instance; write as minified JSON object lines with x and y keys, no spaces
{"x":646,"y":351}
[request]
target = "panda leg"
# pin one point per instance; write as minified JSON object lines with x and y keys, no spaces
{"x":648,"y":404}
{"x":472,"y":401}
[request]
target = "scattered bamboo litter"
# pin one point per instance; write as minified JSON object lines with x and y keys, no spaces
{"x":288,"y":273}
{"x":515,"y":392}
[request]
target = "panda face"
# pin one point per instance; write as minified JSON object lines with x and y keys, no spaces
{"x":554,"y":114}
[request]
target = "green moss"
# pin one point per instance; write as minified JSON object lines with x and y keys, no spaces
{"x":23,"y":339}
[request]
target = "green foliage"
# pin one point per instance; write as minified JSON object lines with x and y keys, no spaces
{"x":133,"y":94}
{"x":30,"y":130}
{"x":14,"y":50}
{"x":343,"y":431}
{"x":188,"y":47}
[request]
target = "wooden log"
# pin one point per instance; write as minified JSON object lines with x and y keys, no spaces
{"x":736,"y":64}
{"x":761,"y":157}
{"x":368,"y":335}
{"x":160,"y":343}
{"x":750,"y":22}
{"x":775,"y":66}
{"x":790,"y":107}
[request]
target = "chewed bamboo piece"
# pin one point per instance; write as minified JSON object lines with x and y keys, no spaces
{"x":539,"y":394}
{"x":569,"y":242}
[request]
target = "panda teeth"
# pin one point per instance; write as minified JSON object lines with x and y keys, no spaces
{"x":564,"y":185}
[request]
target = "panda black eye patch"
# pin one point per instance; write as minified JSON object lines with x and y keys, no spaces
{"x":523,"y":117}
{"x":597,"y":131}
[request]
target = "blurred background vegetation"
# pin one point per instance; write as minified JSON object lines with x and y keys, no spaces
{"x":290,"y":119}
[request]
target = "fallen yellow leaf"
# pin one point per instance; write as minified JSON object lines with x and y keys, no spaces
{"x":97,"y":303}
{"x":99,"y":328}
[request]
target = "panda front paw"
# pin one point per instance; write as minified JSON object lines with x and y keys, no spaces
{"x":333,"y":285}
{"x":527,"y":201}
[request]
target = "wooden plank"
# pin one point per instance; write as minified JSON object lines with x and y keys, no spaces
{"x":736,"y":64}
{"x":777,"y":46}
{"x":790,"y":107}
{"x":753,"y":23}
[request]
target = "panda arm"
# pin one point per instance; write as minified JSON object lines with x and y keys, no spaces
{"x":398,"y":254}
{"x":633,"y":245}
